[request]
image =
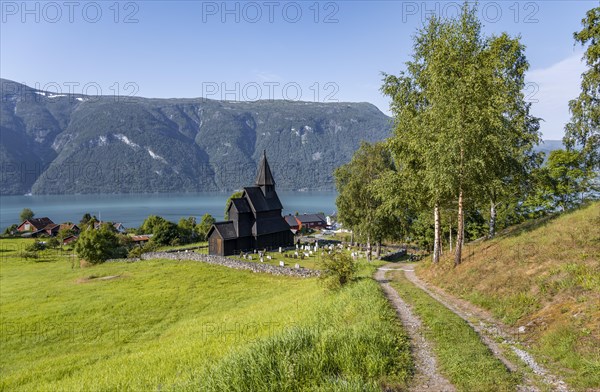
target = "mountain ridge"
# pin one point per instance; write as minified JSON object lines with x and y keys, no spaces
{"x":73,"y":143}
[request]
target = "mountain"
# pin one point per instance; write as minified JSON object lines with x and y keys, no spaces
{"x":70,"y":143}
{"x":547,"y":146}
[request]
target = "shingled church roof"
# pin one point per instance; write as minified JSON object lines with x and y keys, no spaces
{"x":258,"y":201}
{"x":241,"y":205}
{"x":225,"y":229}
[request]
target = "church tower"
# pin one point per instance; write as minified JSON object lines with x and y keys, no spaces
{"x":264,"y":178}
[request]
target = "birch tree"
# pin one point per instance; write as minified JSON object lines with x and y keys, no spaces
{"x":459,"y":113}
{"x":584,"y":128}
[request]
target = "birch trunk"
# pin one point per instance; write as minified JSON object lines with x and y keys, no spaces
{"x":437,"y":234}
{"x":460,"y":230}
{"x":450,"y":242}
{"x":492,"y":232}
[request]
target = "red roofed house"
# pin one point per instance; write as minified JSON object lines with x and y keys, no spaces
{"x":311,"y":221}
{"x":70,"y":239}
{"x":34,"y":224}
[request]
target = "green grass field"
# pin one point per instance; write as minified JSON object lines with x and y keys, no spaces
{"x":185,"y":325}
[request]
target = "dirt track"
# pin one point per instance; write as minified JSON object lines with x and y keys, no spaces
{"x":490,"y":331}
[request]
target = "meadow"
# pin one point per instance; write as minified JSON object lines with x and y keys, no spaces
{"x":184,"y":325}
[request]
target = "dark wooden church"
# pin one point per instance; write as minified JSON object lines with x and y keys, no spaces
{"x":256,"y":221}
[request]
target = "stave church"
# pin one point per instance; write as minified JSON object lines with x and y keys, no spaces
{"x":255,"y":219}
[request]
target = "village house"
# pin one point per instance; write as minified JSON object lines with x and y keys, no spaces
{"x":141,"y":239}
{"x":311,"y":221}
{"x":70,"y":226}
{"x":292,"y":222}
{"x":118,"y":226}
{"x":256,"y":221}
{"x":69,"y":239}
{"x":34,"y":224}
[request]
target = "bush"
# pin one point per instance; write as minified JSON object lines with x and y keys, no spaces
{"x":53,"y":243}
{"x":204,"y":226}
{"x":137,"y":251}
{"x":166,"y":233}
{"x":29,"y":255}
{"x":97,"y":246}
{"x":35,"y":247}
{"x":338,"y":268}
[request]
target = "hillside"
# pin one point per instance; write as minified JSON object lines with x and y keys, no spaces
{"x":543,"y":279}
{"x":59,"y":143}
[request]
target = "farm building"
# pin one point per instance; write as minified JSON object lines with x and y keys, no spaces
{"x":255,"y":219}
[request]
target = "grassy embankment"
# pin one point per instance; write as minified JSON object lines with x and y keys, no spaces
{"x":544,"y":276}
{"x":185,"y":325}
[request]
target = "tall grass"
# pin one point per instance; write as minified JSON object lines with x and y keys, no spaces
{"x":351,"y":342}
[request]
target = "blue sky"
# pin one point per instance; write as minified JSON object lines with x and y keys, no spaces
{"x":304,"y":50}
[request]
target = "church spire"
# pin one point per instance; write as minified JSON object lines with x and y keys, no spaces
{"x":264,"y":177}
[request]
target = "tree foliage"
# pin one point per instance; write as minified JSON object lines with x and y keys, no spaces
{"x":338,"y":269}
{"x":204,"y":226}
{"x":26,"y":214}
{"x":99,"y":245}
{"x":462,"y":126}
{"x":360,"y":203}
{"x":166,"y":233}
{"x":187,"y":229}
{"x":564,"y":179}
{"x":150,"y":224}
{"x":583,"y":131}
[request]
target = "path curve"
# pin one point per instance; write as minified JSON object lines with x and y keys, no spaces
{"x":489,"y":330}
{"x":427,"y":377}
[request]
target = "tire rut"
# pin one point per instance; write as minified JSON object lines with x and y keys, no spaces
{"x":427,"y":377}
{"x":489,"y":330}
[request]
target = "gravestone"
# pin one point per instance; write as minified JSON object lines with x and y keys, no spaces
{"x":297,"y":266}
{"x":281,"y":264}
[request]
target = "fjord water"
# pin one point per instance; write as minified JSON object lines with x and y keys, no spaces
{"x":132,"y":209}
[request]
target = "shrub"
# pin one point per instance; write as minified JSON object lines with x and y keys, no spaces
{"x":29,"y":255}
{"x":165,"y":233}
{"x":338,"y":269}
{"x":97,"y":246}
{"x":35,"y":247}
{"x":53,"y":242}
{"x":138,"y":250}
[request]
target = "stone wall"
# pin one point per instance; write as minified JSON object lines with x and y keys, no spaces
{"x":393,"y":255}
{"x":233,"y":263}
